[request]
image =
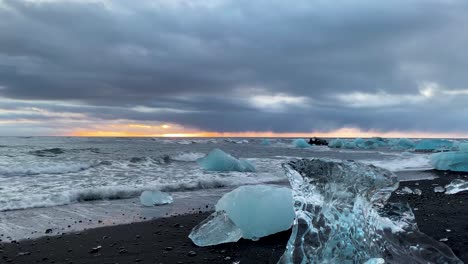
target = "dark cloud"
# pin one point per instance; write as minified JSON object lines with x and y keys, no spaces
{"x":202,"y":63}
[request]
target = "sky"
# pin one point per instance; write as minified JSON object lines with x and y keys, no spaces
{"x":234,"y":68}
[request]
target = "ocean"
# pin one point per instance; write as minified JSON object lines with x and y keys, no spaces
{"x":68,"y":184}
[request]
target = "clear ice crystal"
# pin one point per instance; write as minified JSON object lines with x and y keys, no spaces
{"x":456,"y":186}
{"x":342,"y":216}
{"x":218,"y":160}
{"x":152,"y":198}
{"x":439,"y":189}
{"x":216,"y":229}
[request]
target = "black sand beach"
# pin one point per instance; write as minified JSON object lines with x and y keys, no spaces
{"x":165,"y":240}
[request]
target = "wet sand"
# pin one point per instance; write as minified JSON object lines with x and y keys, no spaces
{"x":166,"y":240}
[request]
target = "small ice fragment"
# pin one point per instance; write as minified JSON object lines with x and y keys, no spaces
{"x":404,"y":190}
{"x":301,"y":143}
{"x":265,"y":142}
{"x":417,"y":191}
{"x":448,"y":230}
{"x":218,"y":160}
{"x":456,"y":186}
{"x":443,"y":239}
{"x":152,"y":198}
{"x":375,"y":261}
{"x":216,"y":229}
{"x":439,"y":189}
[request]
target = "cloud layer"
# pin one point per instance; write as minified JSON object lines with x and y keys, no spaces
{"x":232,"y":66}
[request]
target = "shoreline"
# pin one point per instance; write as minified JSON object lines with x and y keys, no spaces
{"x":165,"y":240}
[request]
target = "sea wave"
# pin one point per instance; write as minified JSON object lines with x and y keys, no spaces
{"x":405,"y":162}
{"x":46,"y":168}
{"x":187,"y":156}
{"x":125,"y":192}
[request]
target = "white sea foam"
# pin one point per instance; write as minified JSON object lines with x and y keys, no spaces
{"x":45,"y":168}
{"x":415,"y":162}
{"x":125,"y":192}
{"x":188,"y":156}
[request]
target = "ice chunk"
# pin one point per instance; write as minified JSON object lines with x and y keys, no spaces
{"x":456,"y":186}
{"x":336,"y":143}
{"x":265,"y":142}
{"x":259,"y":210}
{"x":216,"y":229}
{"x":404,"y":143}
{"x":250,"y":212}
{"x":152,"y":198}
{"x":417,"y":191}
{"x":301,"y":143}
{"x":452,"y":161}
{"x":349,"y":145}
{"x":405,"y":190}
{"x":463,"y":147}
{"x":439,"y":189}
{"x":433,"y":145}
{"x":218,"y":160}
{"x":342,"y":216}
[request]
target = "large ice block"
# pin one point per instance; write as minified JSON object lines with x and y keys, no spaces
{"x":336,"y":143}
{"x":250,"y":212}
{"x":259,"y":210}
{"x":342,"y":216}
{"x":301,"y":143}
{"x":451,"y":161}
{"x":152,"y":198}
{"x":218,"y":160}
{"x":403,"y":143}
{"x":433,"y":145}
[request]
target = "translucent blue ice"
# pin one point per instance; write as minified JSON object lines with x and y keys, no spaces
{"x":152,"y":198}
{"x":301,"y":143}
{"x":259,"y":210}
{"x":250,"y":212}
{"x":342,"y":216}
{"x":218,"y":160}
{"x":463,"y":147}
{"x":265,"y":142}
{"x":433,"y":145}
{"x":370,"y":143}
{"x":451,"y":161}
{"x":403,"y":143}
{"x":336,"y":143}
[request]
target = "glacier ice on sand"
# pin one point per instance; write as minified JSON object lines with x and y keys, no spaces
{"x":218,"y":160}
{"x":456,"y":186}
{"x":152,"y":198}
{"x":251,"y":212}
{"x":342,"y":216}
{"x":451,"y":161}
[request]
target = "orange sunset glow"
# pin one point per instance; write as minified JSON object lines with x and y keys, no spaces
{"x":174,"y":131}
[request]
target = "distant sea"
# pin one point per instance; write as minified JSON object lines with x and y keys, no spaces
{"x":57,"y":182}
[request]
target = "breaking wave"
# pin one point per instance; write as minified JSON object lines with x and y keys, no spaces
{"x":125,"y":192}
{"x":46,"y":168}
{"x":405,"y":162}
